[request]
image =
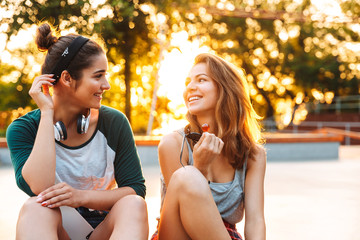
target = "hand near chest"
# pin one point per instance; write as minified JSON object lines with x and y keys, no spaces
{"x":206,"y":150}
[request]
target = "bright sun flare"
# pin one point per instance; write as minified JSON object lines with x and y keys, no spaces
{"x":174,"y":68}
{"x":175,"y":64}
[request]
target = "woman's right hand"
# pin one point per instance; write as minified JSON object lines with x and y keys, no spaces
{"x":42,"y":98}
{"x":206,"y":150}
{"x":61,"y":194}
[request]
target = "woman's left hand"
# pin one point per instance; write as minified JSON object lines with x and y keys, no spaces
{"x":61,"y":194}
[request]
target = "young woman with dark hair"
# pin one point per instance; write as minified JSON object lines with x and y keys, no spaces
{"x":74,"y":152}
{"x":220,"y":176}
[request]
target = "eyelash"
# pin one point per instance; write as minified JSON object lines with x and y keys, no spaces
{"x":199,"y":80}
{"x":99,"y":75}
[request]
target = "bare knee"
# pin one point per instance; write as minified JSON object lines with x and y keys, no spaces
{"x":132,"y":204}
{"x":34,"y":209}
{"x":190,"y":182}
{"x":39,"y":220}
{"x":30,"y":204}
{"x":128,"y":218}
{"x":133,"y":201}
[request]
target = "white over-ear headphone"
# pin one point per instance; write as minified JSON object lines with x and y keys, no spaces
{"x":82,"y":127}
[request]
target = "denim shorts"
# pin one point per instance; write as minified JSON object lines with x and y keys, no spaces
{"x":93,"y":217}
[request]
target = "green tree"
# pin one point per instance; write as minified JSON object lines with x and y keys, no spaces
{"x":291,"y":52}
{"x":15,"y":82}
{"x":121,"y":25}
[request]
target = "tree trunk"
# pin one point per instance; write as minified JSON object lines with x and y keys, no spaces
{"x":127,"y":75}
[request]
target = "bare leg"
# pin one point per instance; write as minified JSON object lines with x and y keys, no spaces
{"x":38,"y":222}
{"x":189,"y":210}
{"x":127,"y":220}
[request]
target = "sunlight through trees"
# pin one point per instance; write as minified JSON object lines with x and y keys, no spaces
{"x":293,"y":52}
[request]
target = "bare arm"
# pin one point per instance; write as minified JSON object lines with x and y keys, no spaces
{"x":169,"y":155}
{"x":39,"y":169}
{"x":63,"y":194}
{"x":254,"y":197}
{"x":104,"y":200}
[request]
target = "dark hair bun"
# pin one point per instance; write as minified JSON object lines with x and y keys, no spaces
{"x":44,"y":37}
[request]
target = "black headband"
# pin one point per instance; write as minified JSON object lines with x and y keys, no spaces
{"x":66,"y":57}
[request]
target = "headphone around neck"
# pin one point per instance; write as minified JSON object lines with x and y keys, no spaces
{"x":82,"y":127}
{"x":62,"y":64}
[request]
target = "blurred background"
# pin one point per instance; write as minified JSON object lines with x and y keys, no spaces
{"x":302,"y":62}
{"x":301,"y":58}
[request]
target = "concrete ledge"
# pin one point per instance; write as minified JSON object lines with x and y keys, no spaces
{"x":147,"y":140}
{"x":301,"y":137}
{"x":302,"y":151}
{"x":4,"y":157}
{"x":3,"y":143}
{"x":279,"y":146}
{"x":302,"y":146}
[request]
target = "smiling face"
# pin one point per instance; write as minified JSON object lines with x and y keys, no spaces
{"x":201,"y":92}
{"x":93,"y":83}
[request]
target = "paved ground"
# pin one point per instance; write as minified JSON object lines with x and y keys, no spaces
{"x":303,"y":200}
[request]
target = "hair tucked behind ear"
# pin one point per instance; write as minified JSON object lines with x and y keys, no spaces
{"x":236,"y":120}
{"x":44,"y":37}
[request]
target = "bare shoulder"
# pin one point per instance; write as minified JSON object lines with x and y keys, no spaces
{"x":170,"y":141}
{"x":260,"y":153}
{"x":169,"y":148}
{"x":259,"y":159}
{"x":169,"y":153}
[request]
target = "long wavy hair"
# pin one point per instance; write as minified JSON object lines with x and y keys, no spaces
{"x":236,"y":119}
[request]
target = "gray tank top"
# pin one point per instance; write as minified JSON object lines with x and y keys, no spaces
{"x":229,"y":197}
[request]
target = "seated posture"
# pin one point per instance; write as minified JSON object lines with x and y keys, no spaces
{"x":213,"y":169}
{"x":73,"y":152}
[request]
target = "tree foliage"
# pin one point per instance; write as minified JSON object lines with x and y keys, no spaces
{"x":119,"y":23}
{"x":293,"y":52}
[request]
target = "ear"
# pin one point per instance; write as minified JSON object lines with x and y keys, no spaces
{"x":66,"y":79}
